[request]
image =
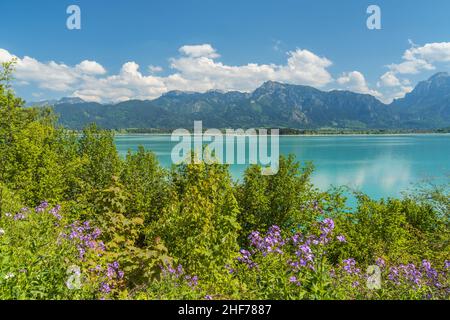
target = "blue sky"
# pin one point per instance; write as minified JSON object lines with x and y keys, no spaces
{"x":141,"y":49}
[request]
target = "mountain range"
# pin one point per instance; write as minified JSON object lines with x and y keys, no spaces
{"x":273,"y":104}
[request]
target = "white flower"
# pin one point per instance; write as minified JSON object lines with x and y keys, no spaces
{"x":9,"y":215}
{"x":9,"y":276}
{"x":2,"y":232}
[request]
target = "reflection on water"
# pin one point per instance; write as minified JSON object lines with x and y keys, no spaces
{"x":391,"y":175}
{"x":381,"y":166}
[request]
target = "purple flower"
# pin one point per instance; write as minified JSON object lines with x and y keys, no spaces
{"x":272,"y":242}
{"x":180,"y":269}
{"x":192,"y":281}
{"x":341,"y":238}
{"x":105,"y":288}
{"x":328,"y":223}
{"x":97,"y":232}
{"x":326,"y":227}
{"x":294,"y":280}
{"x":296,"y":238}
{"x":426,"y":264}
{"x":20,"y":216}
{"x":406,"y":274}
{"x":230,"y":269}
{"x":350,"y":266}
{"x":41,"y":208}
{"x":208,"y":297}
{"x":84,"y":236}
{"x":245,"y":258}
{"x":380,"y":262}
{"x":305,"y":256}
{"x":55,"y":212}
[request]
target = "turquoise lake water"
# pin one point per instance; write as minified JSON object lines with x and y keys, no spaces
{"x":381,"y":166}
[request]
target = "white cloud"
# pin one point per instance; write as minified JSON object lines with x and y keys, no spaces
{"x":196,"y":69}
{"x":51,"y":75}
{"x":5,"y":56}
{"x":415,"y":60}
{"x":154,"y":69}
{"x":394,"y":87}
{"x":412,"y":66}
{"x":355,"y":81}
{"x":389,"y":79}
{"x":196,"y":51}
{"x":90,"y":67}
{"x":204,"y":73}
{"x":431,"y":52}
{"x":422,"y":58}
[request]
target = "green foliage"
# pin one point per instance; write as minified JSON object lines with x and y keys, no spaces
{"x":145,"y":181}
{"x":200,"y":226}
{"x":279,"y":199}
{"x":98,"y":147}
{"x":398,"y":229}
{"x":123,"y":236}
{"x":35,"y":258}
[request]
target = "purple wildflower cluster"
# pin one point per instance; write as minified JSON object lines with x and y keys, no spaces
{"x":349,"y":266}
{"x":178,"y":273}
{"x":418,"y":276}
{"x":246,"y":259}
{"x":113,"y":276}
{"x":380,"y":263}
{"x":409,"y":275}
{"x":272,"y":242}
{"x":305,"y":245}
{"x":41,"y":207}
{"x":22,"y":214}
{"x":86,"y":238}
{"x":55,"y":211}
{"x":405,"y":272}
{"x":305,"y":256}
{"x":326,"y":228}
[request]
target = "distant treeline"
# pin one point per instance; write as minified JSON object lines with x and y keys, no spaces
{"x":292,"y":131}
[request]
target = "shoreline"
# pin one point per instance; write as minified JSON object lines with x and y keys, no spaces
{"x":307,"y":135}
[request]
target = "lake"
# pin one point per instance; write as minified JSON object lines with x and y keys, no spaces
{"x":381,"y":165}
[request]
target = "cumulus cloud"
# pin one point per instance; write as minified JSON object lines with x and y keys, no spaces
{"x":415,"y":60}
{"x":90,"y":67}
{"x":196,"y":51}
{"x":355,"y":81}
{"x":389,"y":79}
{"x":154,"y":69}
{"x":198,"y":68}
{"x":422,"y":58}
{"x":195,"y":69}
{"x":5,"y":56}
{"x":51,"y":75}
